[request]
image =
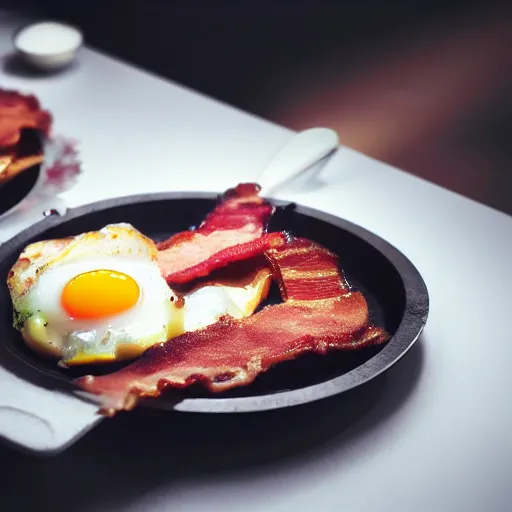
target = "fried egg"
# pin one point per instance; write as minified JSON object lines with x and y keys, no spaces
{"x":237,"y":296}
{"x":97,"y":297}
{"x":100,"y":297}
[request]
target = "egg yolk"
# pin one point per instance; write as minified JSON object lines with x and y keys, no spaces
{"x":99,"y":293}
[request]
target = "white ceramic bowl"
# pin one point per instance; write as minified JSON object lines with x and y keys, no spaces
{"x":48,"y":45}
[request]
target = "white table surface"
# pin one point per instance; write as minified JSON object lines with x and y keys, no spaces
{"x":434,"y":434}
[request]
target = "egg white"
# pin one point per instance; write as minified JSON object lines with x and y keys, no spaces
{"x":144,"y":324}
{"x":207,"y":305}
{"x":46,"y":267}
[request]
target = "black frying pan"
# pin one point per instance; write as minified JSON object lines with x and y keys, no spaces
{"x":16,"y":189}
{"x":394,"y":289}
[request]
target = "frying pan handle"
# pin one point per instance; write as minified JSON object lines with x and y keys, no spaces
{"x":299,"y":154}
{"x":38,"y":419}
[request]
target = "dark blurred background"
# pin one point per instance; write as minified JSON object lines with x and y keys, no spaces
{"x":423,"y":86}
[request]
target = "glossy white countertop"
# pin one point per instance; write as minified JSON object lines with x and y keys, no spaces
{"x":434,"y":434}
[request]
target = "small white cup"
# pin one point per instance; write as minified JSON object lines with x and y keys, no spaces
{"x":48,"y":45}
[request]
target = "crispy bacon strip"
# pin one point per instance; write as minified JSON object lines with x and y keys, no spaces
{"x":18,"y":111}
{"x":320,"y":313}
{"x":233,"y":231}
{"x":210,"y":257}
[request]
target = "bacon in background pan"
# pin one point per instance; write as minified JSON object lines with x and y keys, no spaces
{"x":19,"y":149}
{"x":18,"y":111}
{"x":320,"y":313}
{"x":233,"y":231}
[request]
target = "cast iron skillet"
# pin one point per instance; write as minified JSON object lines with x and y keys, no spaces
{"x":394,"y":289}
